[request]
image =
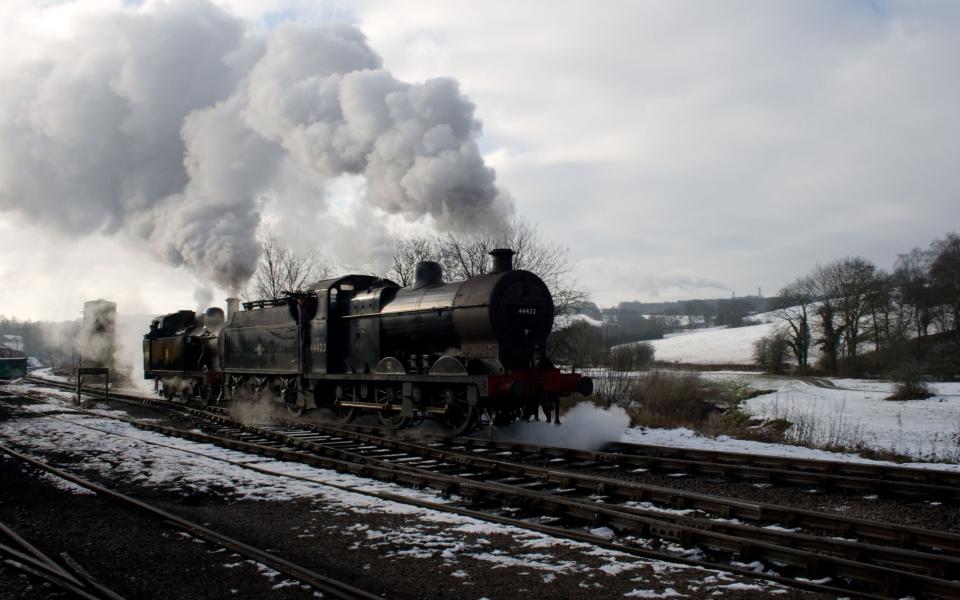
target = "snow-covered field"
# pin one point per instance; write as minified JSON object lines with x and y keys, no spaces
{"x":850,"y":413}
{"x":855,"y":413}
{"x":716,"y":345}
{"x":712,"y":346}
{"x":828,"y":412}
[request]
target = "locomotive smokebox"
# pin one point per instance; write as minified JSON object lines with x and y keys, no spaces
{"x":233,"y":305}
{"x":502,"y":260}
{"x":427,"y":272}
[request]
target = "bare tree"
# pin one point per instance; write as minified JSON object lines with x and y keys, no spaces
{"x":549,"y":260}
{"x":945,"y":280}
{"x":843,"y":290}
{"x":912,"y":297}
{"x":855,"y":279}
{"x":462,"y":258}
{"x":407,"y":252}
{"x":579,"y":345}
{"x":829,"y":330}
{"x":796,"y":307}
{"x":280,"y":269}
{"x":770,"y":352}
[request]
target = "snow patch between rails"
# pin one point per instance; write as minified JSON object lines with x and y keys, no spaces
{"x":667,"y":593}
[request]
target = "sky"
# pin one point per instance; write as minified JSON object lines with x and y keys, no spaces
{"x":678,"y":149}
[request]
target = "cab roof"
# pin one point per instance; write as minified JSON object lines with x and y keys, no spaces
{"x":357,"y":281}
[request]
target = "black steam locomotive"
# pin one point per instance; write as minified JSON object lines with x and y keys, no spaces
{"x":466,"y":353}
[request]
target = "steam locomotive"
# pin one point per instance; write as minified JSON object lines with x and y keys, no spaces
{"x":466,"y":354}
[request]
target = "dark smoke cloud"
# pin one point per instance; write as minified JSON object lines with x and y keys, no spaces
{"x":171,"y":121}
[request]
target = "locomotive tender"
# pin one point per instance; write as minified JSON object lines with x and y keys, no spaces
{"x":465,"y":353}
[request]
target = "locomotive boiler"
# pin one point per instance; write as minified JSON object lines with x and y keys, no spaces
{"x":464,"y":353}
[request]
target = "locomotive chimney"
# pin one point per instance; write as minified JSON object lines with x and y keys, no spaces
{"x":233,"y":305}
{"x":427,"y":272}
{"x":502,"y":260}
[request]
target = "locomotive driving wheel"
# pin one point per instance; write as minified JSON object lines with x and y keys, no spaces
{"x":460,"y":415}
{"x":391,"y":397}
{"x":341,"y":394}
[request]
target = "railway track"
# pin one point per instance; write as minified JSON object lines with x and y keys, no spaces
{"x":573,"y":534}
{"x":884,"y":559}
{"x":632,"y":459}
{"x":42,"y":566}
{"x":21,"y":555}
{"x":629,"y":460}
{"x":885,"y":480}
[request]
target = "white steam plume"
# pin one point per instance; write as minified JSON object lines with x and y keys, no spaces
{"x":172,"y":122}
{"x":203,"y":296}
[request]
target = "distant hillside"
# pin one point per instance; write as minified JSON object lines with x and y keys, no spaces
{"x":715,"y":345}
{"x":696,"y":306}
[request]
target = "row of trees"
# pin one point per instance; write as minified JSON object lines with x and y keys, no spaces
{"x":843,"y":308}
{"x":282,"y":269}
{"x":581,"y":345}
{"x":462,"y":258}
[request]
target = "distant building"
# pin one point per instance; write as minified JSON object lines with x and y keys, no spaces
{"x":11,"y":346}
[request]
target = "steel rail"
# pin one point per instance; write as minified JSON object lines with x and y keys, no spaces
{"x":884,"y":480}
{"x":344,"y":466}
{"x":38,"y":568}
{"x":926,"y":480}
{"x":558,"y":532}
{"x":887,"y":578}
{"x":38,"y":554}
{"x":41,"y":565}
{"x":630,"y":459}
{"x":618,"y":516}
{"x":885,"y":534}
{"x":326,"y":585}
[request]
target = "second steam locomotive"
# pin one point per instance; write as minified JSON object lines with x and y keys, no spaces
{"x":466,"y":353}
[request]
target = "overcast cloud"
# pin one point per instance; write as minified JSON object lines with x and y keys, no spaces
{"x":679,"y":149}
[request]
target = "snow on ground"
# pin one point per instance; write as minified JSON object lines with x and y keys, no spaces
{"x":26,"y":388}
{"x":712,"y":346}
{"x":686,"y":438}
{"x":852,"y":413}
{"x":857,"y":414}
{"x":47,"y":373}
{"x":717,"y":345}
{"x":844,"y":412}
{"x":564,"y":321}
{"x":120,"y":451}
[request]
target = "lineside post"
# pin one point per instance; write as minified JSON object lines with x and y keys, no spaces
{"x":93,"y":371}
